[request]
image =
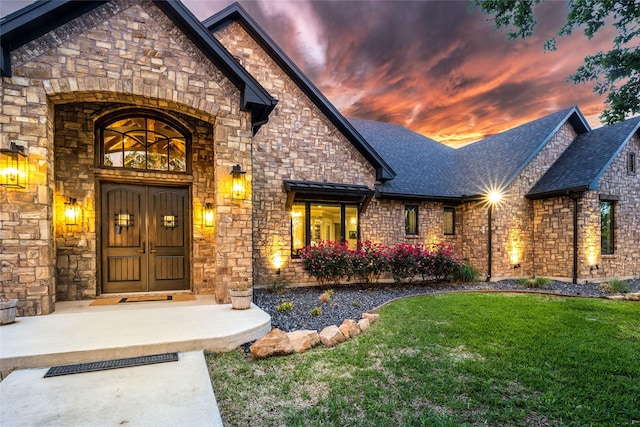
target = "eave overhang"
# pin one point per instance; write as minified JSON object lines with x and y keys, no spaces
{"x":327,"y":191}
{"x":235,"y":12}
{"x":41,"y":17}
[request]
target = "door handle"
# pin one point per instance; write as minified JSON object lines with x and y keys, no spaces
{"x":141,"y":251}
{"x":152,"y":251}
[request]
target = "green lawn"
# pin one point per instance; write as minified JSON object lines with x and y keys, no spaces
{"x":451,"y":360}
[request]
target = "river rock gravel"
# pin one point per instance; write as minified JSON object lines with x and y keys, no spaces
{"x":349,"y":302}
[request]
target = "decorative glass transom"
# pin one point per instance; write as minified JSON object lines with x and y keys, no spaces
{"x":144,"y":143}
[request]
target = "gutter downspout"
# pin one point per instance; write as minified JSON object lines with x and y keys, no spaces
{"x":575,"y":236}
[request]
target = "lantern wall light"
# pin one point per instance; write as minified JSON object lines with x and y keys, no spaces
{"x":13,"y":166}
{"x":208,"y":215}
{"x":72,"y":212}
{"x":238,"y":181}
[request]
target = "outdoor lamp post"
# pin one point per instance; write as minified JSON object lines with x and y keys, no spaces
{"x":493,"y":197}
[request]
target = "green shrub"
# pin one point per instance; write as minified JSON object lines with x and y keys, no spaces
{"x":355,"y":303}
{"x":276,"y":286}
{"x":316,"y":311}
{"x":616,"y":286}
{"x":285,"y":307}
{"x":535,"y":282}
{"x":465,"y":273}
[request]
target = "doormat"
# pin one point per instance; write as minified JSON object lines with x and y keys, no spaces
{"x":104,"y":365}
{"x":147,"y":298}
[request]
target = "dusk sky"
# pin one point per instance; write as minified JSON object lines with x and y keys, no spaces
{"x":434,"y":67}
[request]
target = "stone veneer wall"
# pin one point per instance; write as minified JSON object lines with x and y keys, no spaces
{"x":125,"y":52}
{"x":297,"y":143}
{"x":514,"y":239}
{"x":623,"y":187}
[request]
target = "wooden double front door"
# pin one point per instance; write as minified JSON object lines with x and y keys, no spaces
{"x":145,"y":238}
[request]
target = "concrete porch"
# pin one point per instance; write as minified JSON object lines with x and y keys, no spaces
{"x":77,"y":332}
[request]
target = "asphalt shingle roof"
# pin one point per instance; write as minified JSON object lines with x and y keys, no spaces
{"x":428,"y":169}
{"x":584,"y":161}
{"x":496,"y":160}
{"x":424,"y":166}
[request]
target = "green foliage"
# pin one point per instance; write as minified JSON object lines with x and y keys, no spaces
{"x":276,"y":286}
{"x":463,"y":359}
{"x":465,"y":273}
{"x":616,"y":286}
{"x":330,"y":262}
{"x":616,"y":72}
{"x":355,"y":303}
{"x":535,"y":282}
{"x":316,"y":311}
{"x":285,"y":307}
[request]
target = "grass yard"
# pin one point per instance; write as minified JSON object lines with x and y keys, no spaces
{"x":451,"y":360}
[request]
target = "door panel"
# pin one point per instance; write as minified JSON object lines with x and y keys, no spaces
{"x":167,"y":244}
{"x":144,"y":233}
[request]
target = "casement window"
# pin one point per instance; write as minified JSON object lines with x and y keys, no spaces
{"x":449,"y":221}
{"x":607,"y":227}
{"x":632,"y":166}
{"x":314,"y":222}
{"x":143,"y":140}
{"x":411,"y":220}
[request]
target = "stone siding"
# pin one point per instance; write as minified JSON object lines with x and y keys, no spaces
{"x":127,"y":53}
{"x":623,"y":187}
{"x":298,"y":143}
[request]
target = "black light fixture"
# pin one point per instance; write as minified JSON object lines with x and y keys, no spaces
{"x":239,"y":189}
{"x":71,"y":211}
{"x":13,"y":166}
{"x":208,"y":215}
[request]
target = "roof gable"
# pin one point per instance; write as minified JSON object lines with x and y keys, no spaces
{"x":43,"y":16}
{"x":235,"y":12}
{"x":582,"y":164}
{"x":496,"y":161}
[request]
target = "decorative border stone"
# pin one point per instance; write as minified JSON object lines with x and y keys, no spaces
{"x":280,"y":343}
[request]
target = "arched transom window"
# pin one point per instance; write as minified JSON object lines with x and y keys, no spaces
{"x":143,"y":142}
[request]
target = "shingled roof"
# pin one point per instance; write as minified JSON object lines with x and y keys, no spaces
{"x":425,"y":167}
{"x":430,"y":170}
{"x":580,"y":166}
{"x":497,"y":160}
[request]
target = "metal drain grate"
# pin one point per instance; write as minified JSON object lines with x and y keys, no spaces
{"x":79,"y":368}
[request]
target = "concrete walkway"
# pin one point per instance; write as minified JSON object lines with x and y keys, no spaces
{"x":171,"y":393}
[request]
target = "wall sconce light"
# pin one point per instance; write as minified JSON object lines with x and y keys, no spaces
{"x":71,"y":212}
{"x":123,"y":220}
{"x":277,"y":262}
{"x":239,"y":190}
{"x":13,"y":166}
{"x":208,"y":215}
{"x":169,"y":221}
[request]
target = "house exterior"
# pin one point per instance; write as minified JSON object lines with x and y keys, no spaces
{"x":167,"y":154}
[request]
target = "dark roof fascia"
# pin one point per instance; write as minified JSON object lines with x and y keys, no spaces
{"x":37,"y":19}
{"x":558,"y":193}
{"x":594,"y":184}
{"x":254,"y":97}
{"x":235,"y":12}
{"x":577,"y":121}
{"x":389,"y":195}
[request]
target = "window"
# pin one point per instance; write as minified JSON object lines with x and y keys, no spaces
{"x":449,"y":221}
{"x":411,"y":220}
{"x":631,"y":163}
{"x":313,"y":222}
{"x":143,"y":141}
{"x":606,"y":227}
